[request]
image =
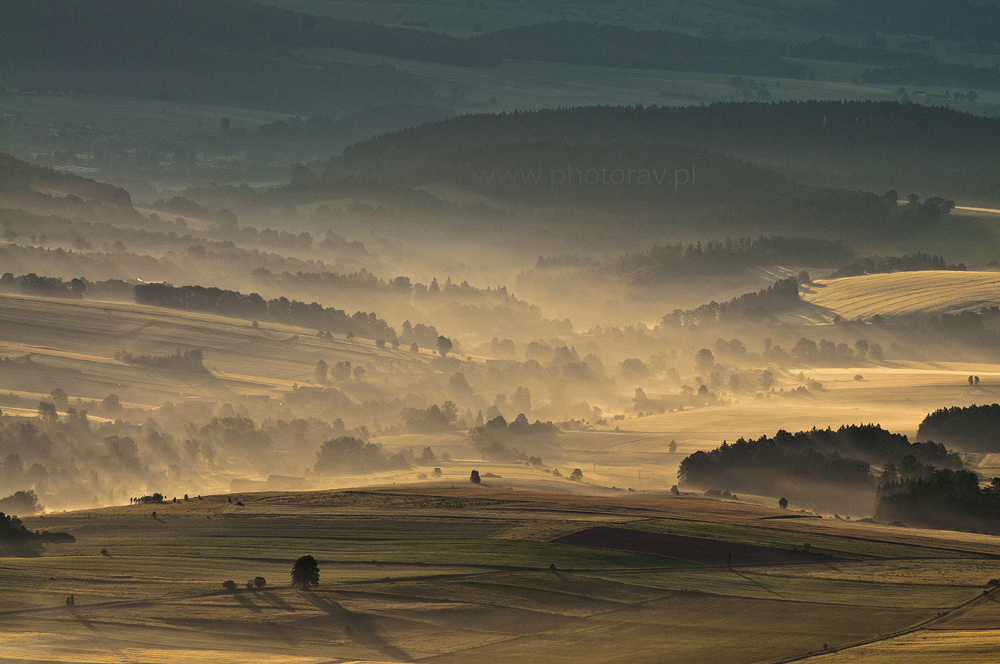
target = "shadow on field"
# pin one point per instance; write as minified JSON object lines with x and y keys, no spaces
{"x":246,"y":602}
{"x":358,"y":627}
{"x":273,"y":599}
{"x":755,"y":582}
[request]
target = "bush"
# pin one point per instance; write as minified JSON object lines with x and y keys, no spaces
{"x":259,"y":582}
{"x":474,"y":477}
{"x":229,"y":585}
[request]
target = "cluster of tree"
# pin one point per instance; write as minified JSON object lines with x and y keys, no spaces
{"x":828,"y":353}
{"x":969,"y":428}
{"x":21,"y":502}
{"x":15,"y":539}
{"x":885,"y":264}
{"x":730,"y":255}
{"x":780,"y":297}
{"x":347,"y":455}
{"x":253,"y":306}
{"x":799,"y":464}
{"x":432,"y":419}
{"x":496,"y":440}
{"x":946,"y":499}
{"x":477,"y":310}
{"x":32,"y":284}
{"x":18,"y":176}
{"x":191,"y":360}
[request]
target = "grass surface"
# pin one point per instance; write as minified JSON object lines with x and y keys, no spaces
{"x":404,"y":582}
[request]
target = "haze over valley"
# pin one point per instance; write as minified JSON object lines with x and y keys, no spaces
{"x":371,"y":332}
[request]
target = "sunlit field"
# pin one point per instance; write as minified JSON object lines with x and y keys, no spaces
{"x":444,"y":574}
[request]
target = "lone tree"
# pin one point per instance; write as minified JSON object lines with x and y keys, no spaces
{"x":474,"y":477}
{"x":576,"y":475}
{"x":783,"y":503}
{"x":444,"y":345}
{"x":305,"y":573}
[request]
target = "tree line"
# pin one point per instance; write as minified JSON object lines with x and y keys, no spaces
{"x":839,"y":461}
{"x":253,"y":306}
{"x":970,"y":428}
{"x":907,"y":263}
{"x":946,"y":499}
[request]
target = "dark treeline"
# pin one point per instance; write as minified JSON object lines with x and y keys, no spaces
{"x":945,"y":499}
{"x":806,"y":464}
{"x":482,"y":310}
{"x":17,"y":176}
{"x":496,"y":440}
{"x":817,"y":128}
{"x":191,"y":360}
{"x":32,"y":284}
{"x":886,"y":264}
{"x":780,"y":297}
{"x":730,"y":255}
{"x":969,"y":428}
{"x":253,"y":306}
{"x":347,"y":455}
{"x":649,"y":184}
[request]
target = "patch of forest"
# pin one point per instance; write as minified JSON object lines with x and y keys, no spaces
{"x":969,"y":428}
{"x":946,"y":499}
{"x":933,"y":148}
{"x":886,"y":264}
{"x":253,"y":306}
{"x":817,"y":467}
{"x":498,"y":440}
{"x":780,"y":297}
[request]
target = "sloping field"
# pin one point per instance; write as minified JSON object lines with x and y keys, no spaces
{"x":418,"y":574}
{"x":73,"y":343}
{"x":905,"y":293}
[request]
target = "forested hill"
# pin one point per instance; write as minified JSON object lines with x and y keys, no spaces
{"x":18,"y":177}
{"x":231,"y":52}
{"x":855,"y":128}
{"x":876,"y":144}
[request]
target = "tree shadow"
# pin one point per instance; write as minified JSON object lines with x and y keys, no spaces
{"x":246,"y":602}
{"x":359,"y":627}
{"x":273,"y":599}
{"x":756,"y":583}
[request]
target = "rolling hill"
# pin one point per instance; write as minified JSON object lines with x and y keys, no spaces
{"x":905,"y":293}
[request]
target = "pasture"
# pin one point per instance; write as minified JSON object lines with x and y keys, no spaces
{"x":436,"y":574}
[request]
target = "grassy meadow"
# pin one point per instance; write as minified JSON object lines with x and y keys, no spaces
{"x":438,"y":574}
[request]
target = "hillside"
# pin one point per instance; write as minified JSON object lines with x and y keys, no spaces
{"x":408,"y":573}
{"x":905,"y":293}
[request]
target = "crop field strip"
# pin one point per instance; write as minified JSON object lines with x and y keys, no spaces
{"x":432,"y":583}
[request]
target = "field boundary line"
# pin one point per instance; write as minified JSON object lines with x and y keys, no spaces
{"x":886,"y":637}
